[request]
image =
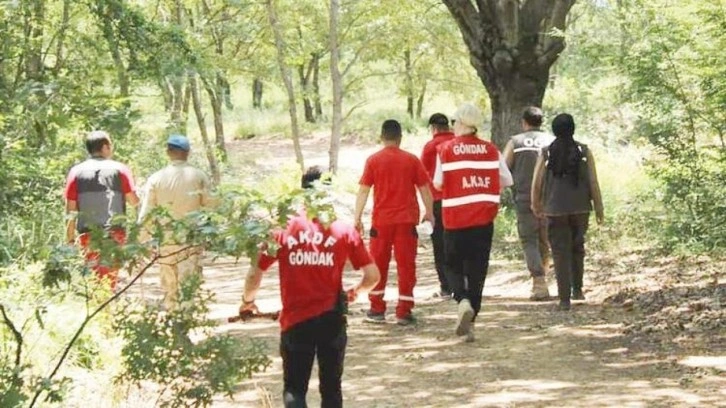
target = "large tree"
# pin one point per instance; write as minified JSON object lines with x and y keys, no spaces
{"x":512,"y":45}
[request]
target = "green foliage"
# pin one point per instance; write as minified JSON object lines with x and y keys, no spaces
{"x":157,"y":347}
{"x":680,"y":102}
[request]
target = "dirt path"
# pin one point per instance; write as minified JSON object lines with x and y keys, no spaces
{"x":525,"y":353}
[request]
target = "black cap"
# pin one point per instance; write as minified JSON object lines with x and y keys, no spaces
{"x":438,"y":119}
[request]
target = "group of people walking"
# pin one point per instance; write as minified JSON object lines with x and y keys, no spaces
{"x":100,"y":189}
{"x":459,"y":178}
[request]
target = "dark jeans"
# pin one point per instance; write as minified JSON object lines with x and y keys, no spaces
{"x":467,"y":258}
{"x":437,"y":238}
{"x":567,"y":240}
{"x":324,"y":336}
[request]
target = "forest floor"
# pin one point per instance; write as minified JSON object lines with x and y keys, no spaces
{"x":652,"y":331}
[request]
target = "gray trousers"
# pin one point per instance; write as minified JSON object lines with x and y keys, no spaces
{"x":567,"y":240}
{"x":533,"y":237}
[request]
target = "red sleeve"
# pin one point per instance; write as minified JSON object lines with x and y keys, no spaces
{"x":367,"y":178}
{"x":127,"y":180}
{"x":357,"y":252}
{"x":71,"y":190}
{"x":421,"y":176}
{"x":266,"y":260}
{"x":428,"y":158}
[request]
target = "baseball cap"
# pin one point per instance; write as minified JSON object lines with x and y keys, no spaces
{"x":468,"y":115}
{"x":178,"y":142}
{"x":438,"y":119}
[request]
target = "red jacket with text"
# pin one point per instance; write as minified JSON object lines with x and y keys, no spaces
{"x":470,"y":182}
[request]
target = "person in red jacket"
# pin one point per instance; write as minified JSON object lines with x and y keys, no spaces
{"x":394,"y":175}
{"x":313,"y":323}
{"x":470,"y":173}
{"x":440,"y":132}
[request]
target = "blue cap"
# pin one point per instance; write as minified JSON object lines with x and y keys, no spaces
{"x":178,"y":142}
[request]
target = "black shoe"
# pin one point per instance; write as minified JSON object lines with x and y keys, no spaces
{"x":374,"y":317}
{"x":442,"y":294}
{"x":564,"y":306}
{"x":407,"y":320}
{"x":577,"y":294}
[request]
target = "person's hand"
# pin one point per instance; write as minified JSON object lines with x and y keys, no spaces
{"x":600,"y":217}
{"x":536,"y":212}
{"x":248,"y":307}
{"x":359,"y":226}
{"x":351,"y":295}
{"x":430,"y":218}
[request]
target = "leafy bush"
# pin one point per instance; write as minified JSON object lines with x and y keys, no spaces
{"x":157,"y":347}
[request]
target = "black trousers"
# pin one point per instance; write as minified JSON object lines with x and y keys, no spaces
{"x":467,"y":260}
{"x":437,"y":238}
{"x":323,"y":336}
{"x":567,"y":239}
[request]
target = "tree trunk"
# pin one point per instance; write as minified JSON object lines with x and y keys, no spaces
{"x":409,"y":82}
{"x":208,"y":146}
{"x":215,"y":94}
{"x":420,"y":101}
{"x":512,"y":46}
{"x":257,"y":93}
{"x":60,"y":45}
{"x":305,"y":86}
{"x":34,"y":72}
{"x":509,"y":99}
{"x":115,"y":49}
{"x":316,"y":87}
{"x":177,"y":119}
{"x":166,"y":94}
{"x":337,"y":79}
{"x":185,"y":105}
{"x":287,"y":79}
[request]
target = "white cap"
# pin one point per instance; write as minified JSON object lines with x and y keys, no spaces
{"x":469,"y":115}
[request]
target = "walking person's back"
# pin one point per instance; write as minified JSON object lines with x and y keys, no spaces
{"x":180,"y":188}
{"x":97,"y":190}
{"x":565,"y":190}
{"x":521,"y":154}
{"x":394,"y":175}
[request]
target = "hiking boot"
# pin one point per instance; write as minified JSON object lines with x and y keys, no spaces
{"x":564,"y":306}
{"x":470,"y":338}
{"x":407,"y":320}
{"x":539,"y":289}
{"x":375,"y":317}
{"x":466,"y":313}
{"x":577,"y":294}
{"x":442,"y":294}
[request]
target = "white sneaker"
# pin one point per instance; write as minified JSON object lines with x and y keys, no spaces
{"x":466,"y":313}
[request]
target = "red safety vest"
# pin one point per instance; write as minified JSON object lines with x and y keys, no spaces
{"x":471,"y":182}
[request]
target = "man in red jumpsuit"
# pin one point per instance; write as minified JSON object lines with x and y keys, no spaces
{"x":394,"y":175}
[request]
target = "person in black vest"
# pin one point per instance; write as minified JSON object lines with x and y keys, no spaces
{"x":521,"y":154}
{"x":565,"y":189}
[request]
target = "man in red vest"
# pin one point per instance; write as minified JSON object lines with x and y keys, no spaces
{"x":313,"y":322}
{"x":394,"y":175}
{"x":439,"y":125}
{"x":470,"y":173}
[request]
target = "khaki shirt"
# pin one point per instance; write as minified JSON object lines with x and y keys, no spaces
{"x":179,"y":187}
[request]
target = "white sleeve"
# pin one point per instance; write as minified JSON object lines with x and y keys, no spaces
{"x":438,"y":173}
{"x":505,"y":176}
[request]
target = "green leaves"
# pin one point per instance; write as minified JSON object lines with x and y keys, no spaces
{"x":157,"y":347}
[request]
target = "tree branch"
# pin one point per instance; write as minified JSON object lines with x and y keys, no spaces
{"x":18,"y":336}
{"x":90,"y":317}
